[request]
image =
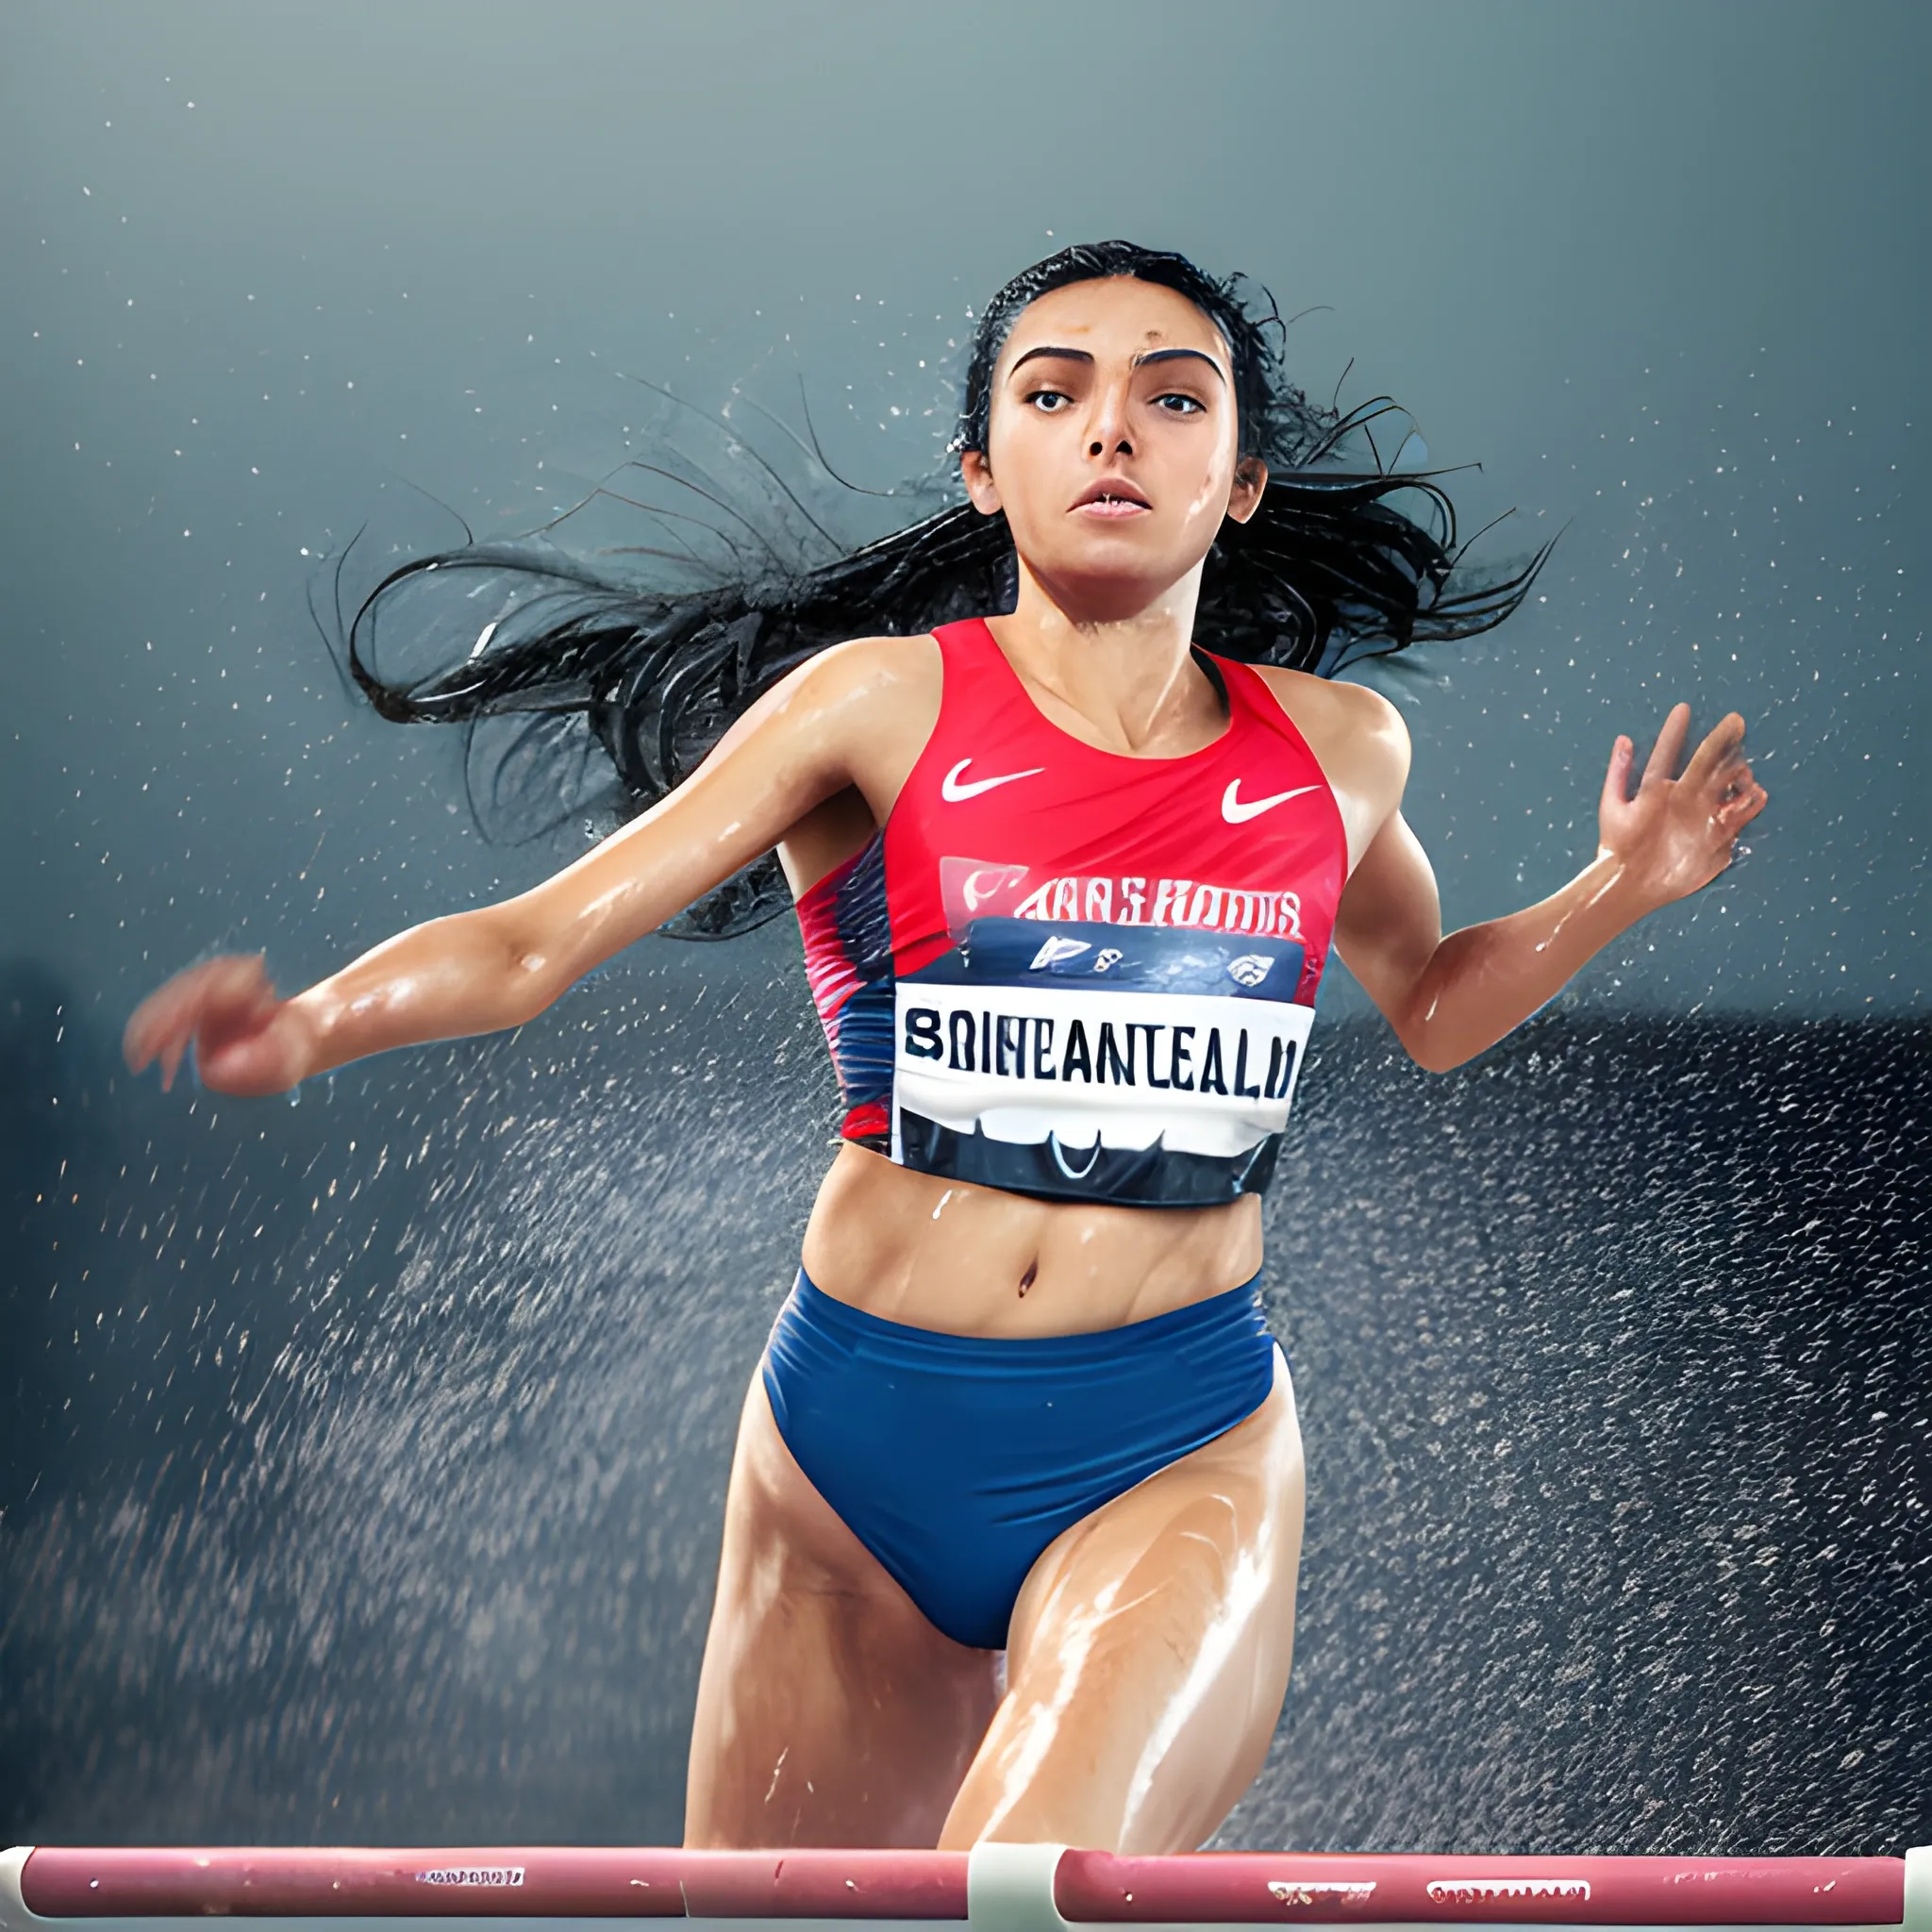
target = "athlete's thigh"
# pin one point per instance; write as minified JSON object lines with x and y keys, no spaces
{"x":829,"y":1710}
{"x":1150,"y":1654}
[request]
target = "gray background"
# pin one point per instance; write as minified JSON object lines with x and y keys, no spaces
{"x":362,"y":1462}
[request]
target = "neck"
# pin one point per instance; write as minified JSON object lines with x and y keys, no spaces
{"x":1124,"y":669}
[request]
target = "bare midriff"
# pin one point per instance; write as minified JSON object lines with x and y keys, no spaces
{"x":972,"y":1261}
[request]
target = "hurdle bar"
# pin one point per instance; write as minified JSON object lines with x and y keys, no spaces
{"x":994,"y":1888}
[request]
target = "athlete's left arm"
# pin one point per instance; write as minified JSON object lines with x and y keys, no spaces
{"x":1448,"y":998}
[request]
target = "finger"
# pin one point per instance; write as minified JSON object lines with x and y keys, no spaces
{"x":1718,"y":750}
{"x":235,"y":979}
{"x":166,"y":1011}
{"x":1617,"y":779}
{"x":171,"y":1060}
{"x":1735,"y":813}
{"x":1669,"y":747}
{"x":1733,"y":780}
{"x":135,"y":1048}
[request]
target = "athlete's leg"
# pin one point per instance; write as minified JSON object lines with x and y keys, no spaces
{"x":1150,"y":1654}
{"x":829,"y":1710}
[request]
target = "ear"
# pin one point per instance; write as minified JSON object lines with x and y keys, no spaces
{"x":976,"y":474}
{"x":1250,"y":481}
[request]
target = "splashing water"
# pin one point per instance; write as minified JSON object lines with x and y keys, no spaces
{"x":371,"y":1483}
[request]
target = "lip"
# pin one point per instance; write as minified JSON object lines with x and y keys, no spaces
{"x":1127,"y":500}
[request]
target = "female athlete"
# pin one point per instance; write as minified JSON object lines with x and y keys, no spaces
{"x":1012,"y":1528}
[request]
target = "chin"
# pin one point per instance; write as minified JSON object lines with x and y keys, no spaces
{"x":1106,"y":589}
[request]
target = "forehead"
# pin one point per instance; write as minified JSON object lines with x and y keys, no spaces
{"x":1119,"y":316}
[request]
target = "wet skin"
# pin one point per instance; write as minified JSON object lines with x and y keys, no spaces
{"x":1149,"y":1652}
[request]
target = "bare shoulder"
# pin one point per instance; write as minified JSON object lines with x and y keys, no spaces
{"x":858,"y":712}
{"x":863,"y":664}
{"x":870,"y":685}
{"x":870,"y":690}
{"x":1359,"y":739}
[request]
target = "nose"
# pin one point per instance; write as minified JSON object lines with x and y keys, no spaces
{"x":1108,"y":433}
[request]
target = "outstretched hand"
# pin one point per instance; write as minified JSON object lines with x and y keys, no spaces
{"x":245,"y":1040}
{"x":1678,"y":833}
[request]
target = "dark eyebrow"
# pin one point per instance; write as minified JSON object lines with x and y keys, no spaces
{"x":1171,"y":355}
{"x":1064,"y":354}
{"x":1139,"y":361}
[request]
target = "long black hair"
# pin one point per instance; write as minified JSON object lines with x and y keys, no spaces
{"x":648,"y":674}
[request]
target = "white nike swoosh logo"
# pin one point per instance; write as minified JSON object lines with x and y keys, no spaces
{"x":954,"y":792}
{"x":1236,"y":813}
{"x":1074,"y":1174}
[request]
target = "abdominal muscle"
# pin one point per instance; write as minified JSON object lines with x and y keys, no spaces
{"x":973,"y":1260}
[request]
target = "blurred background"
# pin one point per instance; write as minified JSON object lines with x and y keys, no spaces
{"x":361,"y":1461}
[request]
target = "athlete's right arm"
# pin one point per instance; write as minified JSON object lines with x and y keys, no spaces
{"x":848,"y":718}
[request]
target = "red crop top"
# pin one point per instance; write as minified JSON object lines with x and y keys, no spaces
{"x":1073,"y":974}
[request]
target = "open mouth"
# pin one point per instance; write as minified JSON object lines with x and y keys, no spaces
{"x":1113,"y":499}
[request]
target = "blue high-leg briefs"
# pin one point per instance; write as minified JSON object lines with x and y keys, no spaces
{"x":957,"y":1459}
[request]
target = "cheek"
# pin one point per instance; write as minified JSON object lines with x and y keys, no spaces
{"x":1015,"y":430}
{"x":1212,"y":482}
{"x":1018,"y":455}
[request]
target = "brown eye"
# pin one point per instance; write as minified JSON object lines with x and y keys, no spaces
{"x":1047,"y":400}
{"x":1177,"y":405}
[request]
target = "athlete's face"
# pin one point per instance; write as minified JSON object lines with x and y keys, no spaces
{"x":1112,"y":440}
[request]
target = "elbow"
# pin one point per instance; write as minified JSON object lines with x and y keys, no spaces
{"x":530,"y":988}
{"x":1428,"y":1043}
{"x":1431,"y":1056}
{"x":524,"y":970}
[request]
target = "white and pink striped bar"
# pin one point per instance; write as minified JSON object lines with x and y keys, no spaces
{"x":993,"y":1888}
